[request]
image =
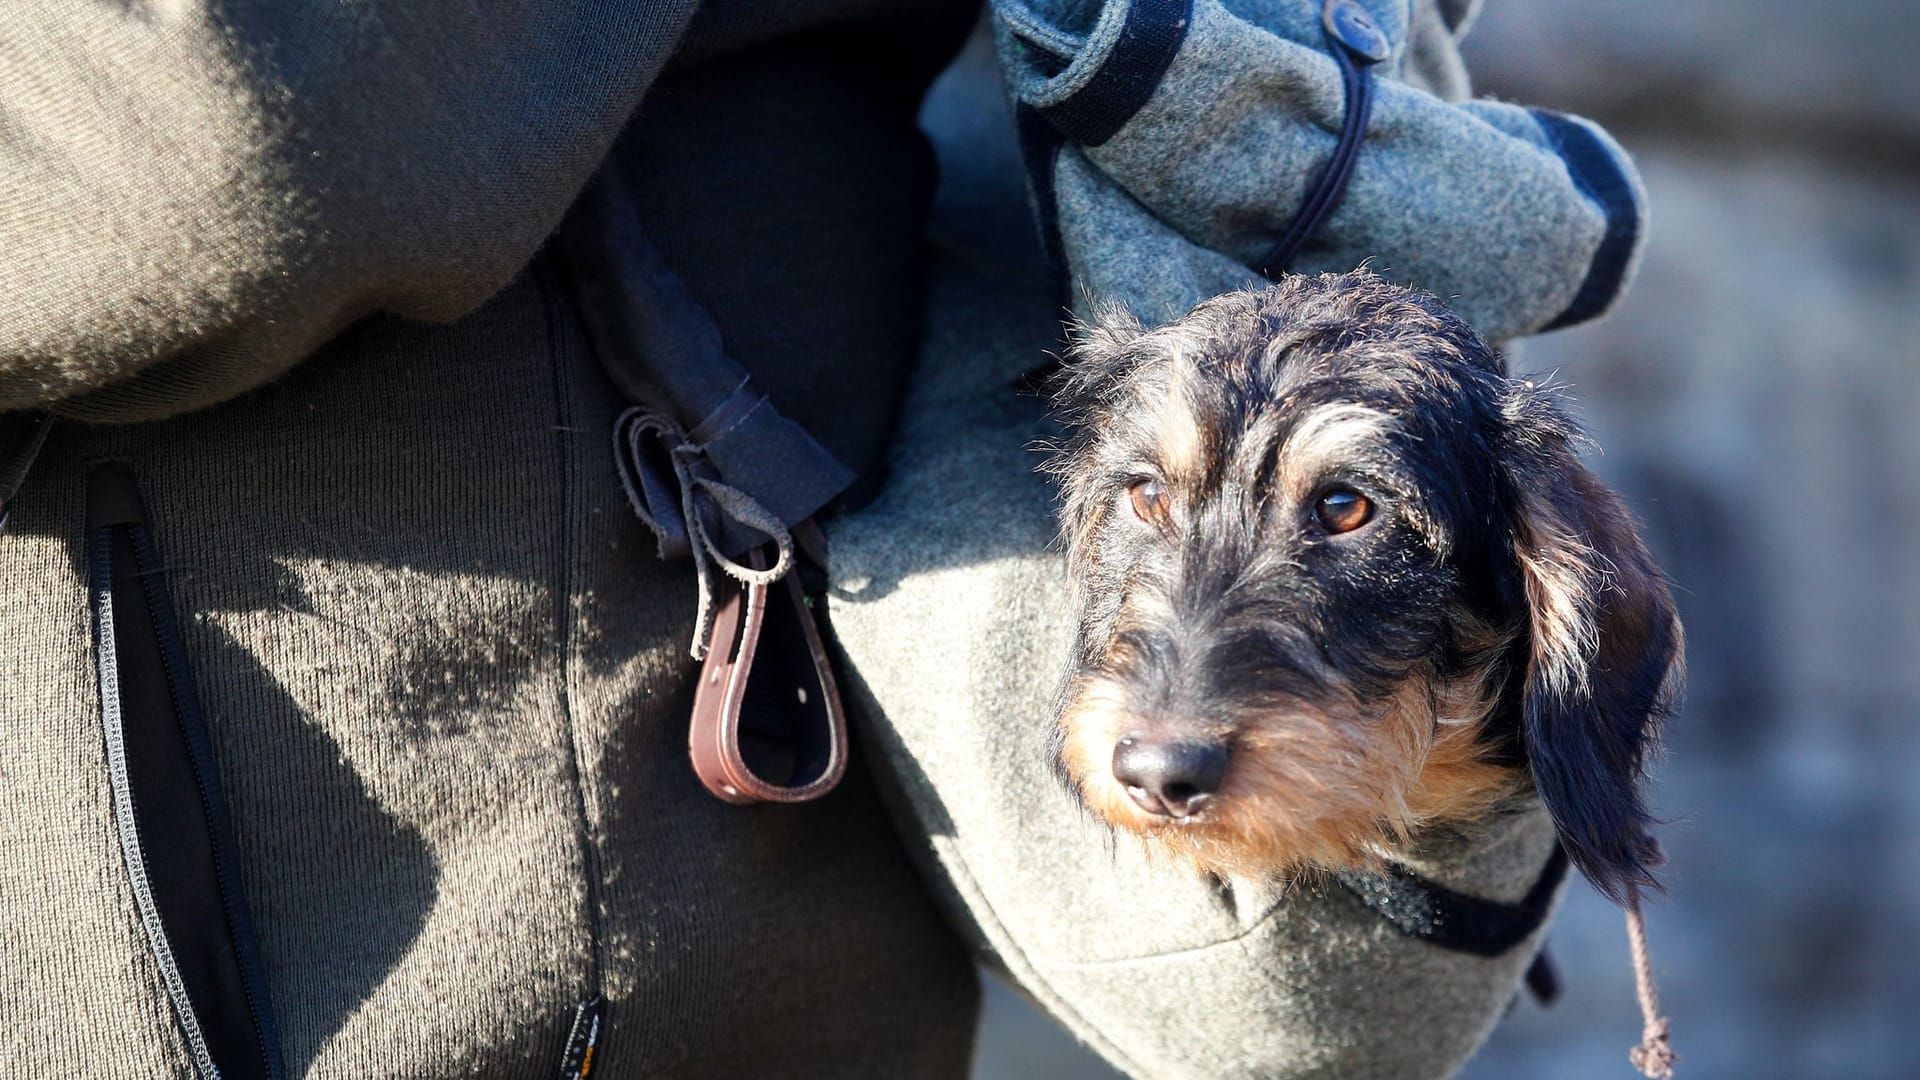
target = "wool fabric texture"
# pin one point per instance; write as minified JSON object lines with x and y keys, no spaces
{"x":198,"y":195}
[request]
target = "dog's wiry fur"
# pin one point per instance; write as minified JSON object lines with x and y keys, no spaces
{"x":1496,"y":624}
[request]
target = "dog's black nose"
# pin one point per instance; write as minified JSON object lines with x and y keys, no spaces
{"x":1171,"y":778}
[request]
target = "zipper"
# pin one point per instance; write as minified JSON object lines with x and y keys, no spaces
{"x":169,"y":812}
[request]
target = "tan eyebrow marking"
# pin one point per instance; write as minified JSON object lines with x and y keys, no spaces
{"x":1179,"y":442}
{"x":1329,"y":433}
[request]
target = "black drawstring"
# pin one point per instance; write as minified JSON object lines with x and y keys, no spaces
{"x":1357,"y":43}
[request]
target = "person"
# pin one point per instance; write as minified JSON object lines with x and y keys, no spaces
{"x":347,"y":699}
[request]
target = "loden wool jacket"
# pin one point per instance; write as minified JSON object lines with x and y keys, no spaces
{"x":345,"y":698}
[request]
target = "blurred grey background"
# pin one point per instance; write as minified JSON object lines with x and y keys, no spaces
{"x":1756,"y":396}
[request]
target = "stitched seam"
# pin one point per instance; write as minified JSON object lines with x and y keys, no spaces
{"x":1235,"y":938}
{"x":1273,"y":912}
{"x":1032,"y":979}
{"x":568,"y":574}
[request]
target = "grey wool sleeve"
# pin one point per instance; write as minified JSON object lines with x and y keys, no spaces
{"x":194,"y":196}
{"x":1170,"y":142}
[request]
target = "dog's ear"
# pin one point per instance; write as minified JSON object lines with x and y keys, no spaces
{"x":1605,"y":651}
{"x":1097,"y":359}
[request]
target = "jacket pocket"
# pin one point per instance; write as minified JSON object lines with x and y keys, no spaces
{"x":168,"y":811}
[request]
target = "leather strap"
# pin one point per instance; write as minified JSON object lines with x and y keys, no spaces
{"x":675,"y":490}
{"x":768,"y":725}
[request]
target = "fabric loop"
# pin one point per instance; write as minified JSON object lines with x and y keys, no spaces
{"x":654,"y":497}
{"x":688,"y":508}
{"x":741,"y":508}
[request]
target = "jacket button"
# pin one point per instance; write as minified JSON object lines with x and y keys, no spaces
{"x":1349,"y":24}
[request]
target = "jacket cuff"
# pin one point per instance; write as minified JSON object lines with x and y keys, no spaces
{"x":1598,"y":168}
{"x":1088,"y":88}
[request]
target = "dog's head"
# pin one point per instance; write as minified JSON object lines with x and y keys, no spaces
{"x":1338,"y":578}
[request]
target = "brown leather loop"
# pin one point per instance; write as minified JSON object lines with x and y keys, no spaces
{"x":714,"y":736}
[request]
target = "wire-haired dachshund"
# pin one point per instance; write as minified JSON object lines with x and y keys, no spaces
{"x":1338,"y":579}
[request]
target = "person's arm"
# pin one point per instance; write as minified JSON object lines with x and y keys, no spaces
{"x":195,"y":196}
{"x":1172,"y":144}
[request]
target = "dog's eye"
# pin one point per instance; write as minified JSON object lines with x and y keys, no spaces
{"x":1151,"y":503}
{"x":1343,"y":510}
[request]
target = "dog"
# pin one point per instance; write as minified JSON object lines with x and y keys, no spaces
{"x":1338,"y":579}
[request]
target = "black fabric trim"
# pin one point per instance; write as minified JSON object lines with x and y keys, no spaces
{"x":1605,"y":184}
{"x":1455,"y":921}
{"x":1040,"y":144}
{"x":22,"y":434}
{"x":1126,"y":80}
{"x":169,"y":810}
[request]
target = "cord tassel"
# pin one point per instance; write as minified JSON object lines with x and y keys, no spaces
{"x":1654,"y":1057}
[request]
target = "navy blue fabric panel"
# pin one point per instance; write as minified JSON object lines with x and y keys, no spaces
{"x":780,"y":465}
{"x":787,"y":186}
{"x":1601,"y":180}
{"x":1152,"y":34}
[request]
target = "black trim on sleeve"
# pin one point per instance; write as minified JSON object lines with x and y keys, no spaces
{"x":1602,"y":180}
{"x":1151,"y":35}
{"x":1455,"y":921}
{"x":1040,"y":145}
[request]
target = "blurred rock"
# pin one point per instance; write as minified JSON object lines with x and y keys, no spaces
{"x":1756,"y":395}
{"x":1839,"y":75}
{"x":1018,"y":1042}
